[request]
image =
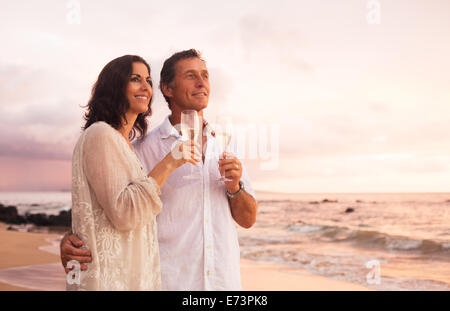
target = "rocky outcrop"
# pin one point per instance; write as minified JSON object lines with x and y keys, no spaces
{"x":9,"y":215}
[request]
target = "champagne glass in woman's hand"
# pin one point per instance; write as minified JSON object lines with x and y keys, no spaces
{"x":190,"y":129}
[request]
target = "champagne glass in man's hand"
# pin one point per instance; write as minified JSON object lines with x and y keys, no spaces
{"x":223,"y":133}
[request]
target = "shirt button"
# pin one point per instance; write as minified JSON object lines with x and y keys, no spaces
{"x":206,"y":220}
{"x":209,"y":246}
{"x":207,"y":273}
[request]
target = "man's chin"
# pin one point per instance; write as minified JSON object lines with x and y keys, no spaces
{"x":200,"y":106}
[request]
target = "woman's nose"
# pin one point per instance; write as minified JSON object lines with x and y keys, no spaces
{"x":146,"y":85}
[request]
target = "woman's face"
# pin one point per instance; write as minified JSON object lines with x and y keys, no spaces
{"x":139,"y":89}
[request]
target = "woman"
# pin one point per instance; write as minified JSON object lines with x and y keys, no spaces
{"x":114,"y":202}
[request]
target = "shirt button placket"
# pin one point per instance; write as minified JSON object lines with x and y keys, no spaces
{"x":208,"y":250}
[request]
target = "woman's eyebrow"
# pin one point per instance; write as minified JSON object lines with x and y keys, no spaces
{"x":136,"y":74}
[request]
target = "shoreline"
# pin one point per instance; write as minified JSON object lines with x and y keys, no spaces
{"x":30,"y":261}
{"x":21,"y":250}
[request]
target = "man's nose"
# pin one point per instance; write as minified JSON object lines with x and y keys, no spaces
{"x":200,"y":82}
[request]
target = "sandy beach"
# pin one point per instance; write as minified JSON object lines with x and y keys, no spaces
{"x":258,"y":276}
{"x":28,"y":261}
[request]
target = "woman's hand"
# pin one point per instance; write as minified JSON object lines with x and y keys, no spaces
{"x":181,"y":153}
{"x":184,"y":152}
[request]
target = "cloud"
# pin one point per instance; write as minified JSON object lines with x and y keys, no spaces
{"x":342,"y":95}
{"x":270,"y":42}
{"x":21,"y":146}
{"x":38,"y":140}
{"x":40,"y":116}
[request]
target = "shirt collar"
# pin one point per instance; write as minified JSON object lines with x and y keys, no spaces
{"x":167,"y":129}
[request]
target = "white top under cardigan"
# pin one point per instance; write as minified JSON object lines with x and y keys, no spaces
{"x":114,"y":205}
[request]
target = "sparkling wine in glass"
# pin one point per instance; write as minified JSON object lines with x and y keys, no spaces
{"x":223,"y":133}
{"x":223,"y":139}
{"x":190,"y":128}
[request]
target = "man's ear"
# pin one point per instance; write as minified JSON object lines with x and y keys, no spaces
{"x":167,"y":90}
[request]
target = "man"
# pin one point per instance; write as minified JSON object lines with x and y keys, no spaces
{"x":197,"y":236}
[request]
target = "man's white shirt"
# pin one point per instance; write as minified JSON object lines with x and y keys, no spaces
{"x":197,"y":235}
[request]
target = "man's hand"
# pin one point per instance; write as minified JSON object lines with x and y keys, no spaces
{"x":244,"y":206}
{"x":70,"y":250}
{"x":233,"y":170}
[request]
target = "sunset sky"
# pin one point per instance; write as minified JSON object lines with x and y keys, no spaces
{"x":360,"y":107}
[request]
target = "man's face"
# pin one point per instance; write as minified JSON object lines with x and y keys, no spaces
{"x":190,"y":86}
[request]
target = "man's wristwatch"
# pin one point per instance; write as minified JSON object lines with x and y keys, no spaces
{"x":241,"y":189}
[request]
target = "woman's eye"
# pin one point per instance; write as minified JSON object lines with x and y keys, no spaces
{"x":135,"y":79}
{"x":150,"y":82}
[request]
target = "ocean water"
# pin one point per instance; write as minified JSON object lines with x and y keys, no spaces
{"x":388,"y":242}
{"x":50,"y":203}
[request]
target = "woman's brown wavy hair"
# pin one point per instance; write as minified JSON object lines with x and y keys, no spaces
{"x":108,"y":101}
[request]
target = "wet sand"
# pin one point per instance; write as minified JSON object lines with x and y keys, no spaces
{"x":20,"y":253}
{"x":258,"y":276}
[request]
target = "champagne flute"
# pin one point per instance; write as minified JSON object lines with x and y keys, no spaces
{"x":190,"y":128}
{"x":223,"y":133}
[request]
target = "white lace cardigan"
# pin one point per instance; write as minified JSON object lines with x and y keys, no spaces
{"x":114,"y":206}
